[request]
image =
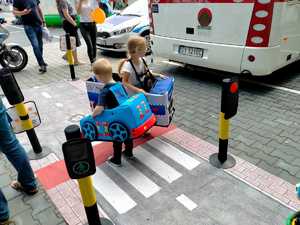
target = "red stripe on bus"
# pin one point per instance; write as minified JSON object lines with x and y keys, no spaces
{"x":56,"y":173}
{"x":260,"y":38}
{"x":207,"y":1}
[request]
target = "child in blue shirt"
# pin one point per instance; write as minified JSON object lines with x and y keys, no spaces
{"x":103,"y":72}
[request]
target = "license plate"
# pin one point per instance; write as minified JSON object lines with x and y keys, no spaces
{"x":191,"y":51}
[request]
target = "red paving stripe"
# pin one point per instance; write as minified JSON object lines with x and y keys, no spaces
{"x":56,"y":173}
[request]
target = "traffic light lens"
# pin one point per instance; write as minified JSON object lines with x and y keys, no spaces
{"x":234,"y":87}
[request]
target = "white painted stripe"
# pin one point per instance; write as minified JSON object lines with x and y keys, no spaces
{"x":186,"y":202}
{"x":112,"y":193}
{"x":175,"y":154}
{"x":138,"y":180}
{"x":58,"y":104}
{"x":46,"y":95}
{"x":273,"y":86}
{"x":155,"y":164}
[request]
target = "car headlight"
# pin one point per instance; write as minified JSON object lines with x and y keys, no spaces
{"x":123,"y":31}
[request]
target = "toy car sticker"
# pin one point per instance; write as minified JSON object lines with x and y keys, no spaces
{"x":102,"y":129}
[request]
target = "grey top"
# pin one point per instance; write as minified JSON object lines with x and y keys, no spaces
{"x":64,"y":4}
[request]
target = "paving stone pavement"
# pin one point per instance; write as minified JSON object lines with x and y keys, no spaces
{"x":27,"y":210}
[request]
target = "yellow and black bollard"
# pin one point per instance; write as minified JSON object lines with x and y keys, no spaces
{"x":80,"y":163}
{"x":15,"y":97}
{"x":229,"y":105}
{"x":70,"y":57}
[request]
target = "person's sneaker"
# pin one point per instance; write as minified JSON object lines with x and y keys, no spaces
{"x":112,"y":161}
{"x":43,"y":69}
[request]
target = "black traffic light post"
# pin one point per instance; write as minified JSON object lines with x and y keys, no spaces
{"x":80,"y":163}
{"x":15,"y":97}
{"x":229,"y":106}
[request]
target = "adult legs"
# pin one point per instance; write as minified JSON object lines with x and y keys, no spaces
{"x":4,"y":212}
{"x":94,"y":39}
{"x":85,"y":29}
{"x":33,"y":34}
{"x":39,"y":34}
{"x":15,"y":153}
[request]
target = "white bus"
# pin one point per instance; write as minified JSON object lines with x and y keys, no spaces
{"x":239,"y":36}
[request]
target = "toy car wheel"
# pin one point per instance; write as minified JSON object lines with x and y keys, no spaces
{"x":118,"y":132}
{"x":89,"y":131}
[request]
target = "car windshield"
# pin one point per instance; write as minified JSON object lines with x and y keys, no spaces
{"x":138,"y":8}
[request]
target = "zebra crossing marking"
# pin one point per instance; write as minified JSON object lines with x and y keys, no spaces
{"x":137,"y":179}
{"x":186,"y":202}
{"x":174,"y":153}
{"x":118,"y":198}
{"x":161,"y":168}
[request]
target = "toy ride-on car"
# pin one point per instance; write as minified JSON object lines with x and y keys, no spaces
{"x":131,"y":119}
{"x":160,"y":98}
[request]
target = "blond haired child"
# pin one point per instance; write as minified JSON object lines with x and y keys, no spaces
{"x":134,"y":71}
{"x":103,"y":72}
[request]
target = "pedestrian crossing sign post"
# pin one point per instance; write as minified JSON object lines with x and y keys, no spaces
{"x":79,"y":158}
{"x":80,"y":163}
{"x":16,"y":122}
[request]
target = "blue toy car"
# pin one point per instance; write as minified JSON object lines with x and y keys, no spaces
{"x":131,"y":119}
{"x":160,"y":98}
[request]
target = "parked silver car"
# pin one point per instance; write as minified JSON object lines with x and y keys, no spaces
{"x":113,"y":34}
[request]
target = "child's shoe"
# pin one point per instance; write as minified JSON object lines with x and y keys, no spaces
{"x":114,"y":162}
{"x":128,"y":154}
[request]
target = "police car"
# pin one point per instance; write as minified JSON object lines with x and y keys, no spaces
{"x":113,"y":34}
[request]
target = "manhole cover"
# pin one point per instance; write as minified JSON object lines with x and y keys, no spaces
{"x":76,"y":118}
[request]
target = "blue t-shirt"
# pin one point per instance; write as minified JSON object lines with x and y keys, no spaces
{"x":106,"y":98}
{"x":32,"y":18}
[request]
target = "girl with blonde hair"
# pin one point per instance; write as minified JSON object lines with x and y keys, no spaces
{"x":87,"y":26}
{"x":134,"y":70}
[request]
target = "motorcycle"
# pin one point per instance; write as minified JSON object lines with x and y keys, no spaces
{"x":12,"y":55}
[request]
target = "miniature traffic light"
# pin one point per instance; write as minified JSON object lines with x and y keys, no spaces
{"x":79,"y":158}
{"x":230,"y":97}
